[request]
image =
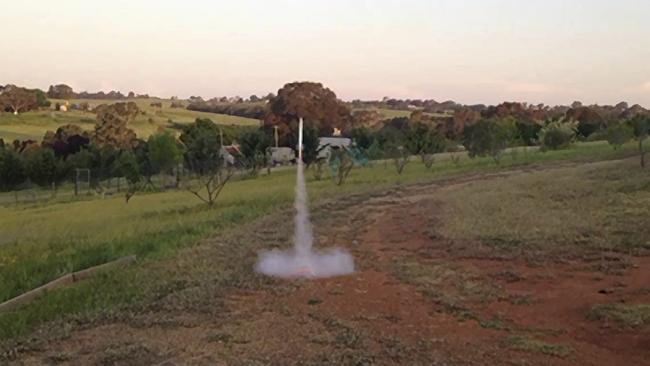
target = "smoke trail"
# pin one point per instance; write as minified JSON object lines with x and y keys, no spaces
{"x":302,"y":261}
{"x":303,"y":234}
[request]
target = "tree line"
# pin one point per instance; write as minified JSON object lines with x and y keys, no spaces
{"x":112,"y":149}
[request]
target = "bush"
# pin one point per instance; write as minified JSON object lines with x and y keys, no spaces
{"x":164,"y":152}
{"x":528,"y":132}
{"x":12,"y":170}
{"x":254,"y":146}
{"x":618,"y":133}
{"x":487,"y":137}
{"x":557,"y":135}
{"x":43,"y":167}
{"x":424,"y":140}
{"x":362,"y":137}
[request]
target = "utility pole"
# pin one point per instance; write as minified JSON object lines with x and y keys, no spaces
{"x":275,"y":135}
{"x":300,"y":139}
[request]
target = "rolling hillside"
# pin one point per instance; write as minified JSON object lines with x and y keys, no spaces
{"x":34,"y":124}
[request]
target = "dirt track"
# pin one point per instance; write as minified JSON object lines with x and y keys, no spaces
{"x":416,"y":299}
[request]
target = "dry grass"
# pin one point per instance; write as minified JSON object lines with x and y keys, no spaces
{"x":628,"y":315}
{"x":575,"y":210}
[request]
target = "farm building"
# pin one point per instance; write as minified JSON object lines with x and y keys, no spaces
{"x":326,"y":144}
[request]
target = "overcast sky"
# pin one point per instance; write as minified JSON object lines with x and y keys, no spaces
{"x":470,"y":51}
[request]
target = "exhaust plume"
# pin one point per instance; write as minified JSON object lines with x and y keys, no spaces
{"x":302,"y":261}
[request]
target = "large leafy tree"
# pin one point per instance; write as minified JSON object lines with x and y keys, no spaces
{"x":310,"y":101}
{"x":164,"y":152}
{"x":60,"y":91}
{"x":589,"y":120}
{"x":17,"y":100}
{"x":203,"y":156}
{"x":487,"y":137}
{"x":111,"y":128}
{"x":67,"y":140}
{"x":202,"y":146}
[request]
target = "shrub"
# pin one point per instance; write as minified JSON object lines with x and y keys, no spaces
{"x":487,"y":137}
{"x":557,"y":135}
{"x":43,"y":168}
{"x":618,"y":133}
{"x":424,"y":140}
{"x":12,"y":170}
{"x":528,"y":131}
{"x":253,"y":146}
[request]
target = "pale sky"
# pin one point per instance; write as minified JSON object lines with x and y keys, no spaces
{"x":481,"y":51}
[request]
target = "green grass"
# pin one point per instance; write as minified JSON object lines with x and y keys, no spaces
{"x":41,"y":241}
{"x":628,"y":315}
{"x":34,"y":124}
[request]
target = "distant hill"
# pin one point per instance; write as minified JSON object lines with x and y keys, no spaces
{"x":33,"y":124}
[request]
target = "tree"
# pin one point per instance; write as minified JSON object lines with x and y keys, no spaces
{"x":589,"y":120}
{"x":67,"y":140}
{"x":641,"y":127}
{"x":127,"y":166}
{"x":203,"y":156}
{"x":424,"y":140}
{"x":310,"y":141}
{"x":164,"y":152}
{"x":528,"y":131}
{"x":101,"y":160}
{"x":254,"y":146}
{"x":400,"y":157}
{"x":111,"y":128}
{"x":12,"y":169}
{"x":393,"y":133}
{"x":60,"y":91}
{"x":17,"y":99}
{"x":557,"y":135}
{"x":43,"y":168}
{"x":362,"y":137}
{"x":487,"y":137}
{"x":341,"y":163}
{"x":618,"y":133}
{"x":312,"y":102}
{"x":41,"y":98}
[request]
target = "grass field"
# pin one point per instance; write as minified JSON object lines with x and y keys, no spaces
{"x":44,"y":240}
{"x":34,"y":124}
{"x":522,"y":262}
{"x":394,"y":113}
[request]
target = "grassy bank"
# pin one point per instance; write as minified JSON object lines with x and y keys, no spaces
{"x":34,"y":124}
{"x":43,"y":241}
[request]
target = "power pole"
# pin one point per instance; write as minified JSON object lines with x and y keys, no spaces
{"x":275,"y":135}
